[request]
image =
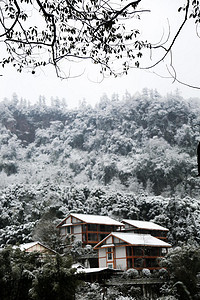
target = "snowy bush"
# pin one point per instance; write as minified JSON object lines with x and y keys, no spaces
{"x":146,"y":273}
{"x":163,"y":273}
{"x":183,"y":264}
{"x":89,"y":291}
{"x":131,"y":273}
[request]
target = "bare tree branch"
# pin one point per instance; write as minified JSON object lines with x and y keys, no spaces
{"x":8,"y":30}
{"x":98,"y":30}
{"x":167,"y":50}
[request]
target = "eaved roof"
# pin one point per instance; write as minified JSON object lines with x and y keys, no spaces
{"x":144,"y":225}
{"x":24,"y":247}
{"x":135,"y":239}
{"x":94,"y":219}
{"x":28,"y":245}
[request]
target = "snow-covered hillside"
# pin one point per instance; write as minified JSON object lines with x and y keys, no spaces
{"x":128,"y":158}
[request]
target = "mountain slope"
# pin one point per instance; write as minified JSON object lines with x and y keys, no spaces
{"x":140,"y":141}
{"x":129,"y":158}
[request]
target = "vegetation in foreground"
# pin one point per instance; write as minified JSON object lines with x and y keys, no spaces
{"x":31,"y":276}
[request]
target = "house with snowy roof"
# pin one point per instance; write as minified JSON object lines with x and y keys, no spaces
{"x":89,"y":229}
{"x":35,"y":246}
{"x":145,"y":227}
{"x":124,"y":250}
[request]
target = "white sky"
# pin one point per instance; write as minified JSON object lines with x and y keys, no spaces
{"x":185,"y":58}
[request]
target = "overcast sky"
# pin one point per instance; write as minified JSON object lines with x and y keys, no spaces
{"x":89,"y":86}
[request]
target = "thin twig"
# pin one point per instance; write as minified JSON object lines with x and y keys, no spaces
{"x":15,"y":22}
{"x":174,"y":39}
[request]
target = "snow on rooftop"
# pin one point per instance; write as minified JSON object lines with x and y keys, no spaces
{"x":24,"y":247}
{"x":67,"y":225}
{"x":106,"y":245}
{"x":144,"y":225}
{"x":94,"y":270}
{"x":136,"y":239}
{"x":27,"y":245}
{"x":96,"y":219}
{"x":140,"y":239}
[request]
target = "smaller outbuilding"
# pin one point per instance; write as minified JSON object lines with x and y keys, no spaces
{"x":125,"y":250}
{"x":35,"y":246}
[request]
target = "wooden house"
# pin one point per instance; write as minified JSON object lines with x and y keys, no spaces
{"x":35,"y":246}
{"x":145,"y":227}
{"x":89,"y":229}
{"x":124,"y":250}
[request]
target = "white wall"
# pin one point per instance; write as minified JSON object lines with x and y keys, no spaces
{"x":102,"y":258}
{"x":120,"y":258}
{"x":68,"y":220}
{"x":75,"y":220}
{"x":77,"y":229}
{"x":120,"y":252}
{"x":102,"y":252}
{"x":116,"y":240}
{"x":109,"y":240}
{"x":77,"y":232}
{"x":121,"y":264}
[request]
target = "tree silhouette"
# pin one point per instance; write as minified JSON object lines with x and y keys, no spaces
{"x":37,"y":33}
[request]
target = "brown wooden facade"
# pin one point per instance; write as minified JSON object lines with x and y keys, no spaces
{"x":36,"y":247}
{"x":144,"y":257}
{"x":88,"y":233}
{"x":118,"y":253}
{"x":94,"y":233}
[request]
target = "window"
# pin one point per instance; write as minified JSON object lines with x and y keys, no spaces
{"x":102,"y":228}
{"x":147,"y":252}
{"x":92,"y":227}
{"x":92,"y":237}
{"x":109,"y":254}
{"x":153,"y":251}
{"x":105,"y":228}
{"x":151,"y":263}
{"x":129,"y":251}
{"x":129,"y":263}
{"x":115,"y":228}
{"x":158,"y":233}
{"x":163,"y":234}
{"x":102,"y":236}
{"x":68,"y":229}
{"x":84,"y":226}
{"x":110,"y":266}
{"x":137,"y":251}
{"x":138,"y":262}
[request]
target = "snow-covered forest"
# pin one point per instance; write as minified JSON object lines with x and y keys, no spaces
{"x":133,"y":157}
